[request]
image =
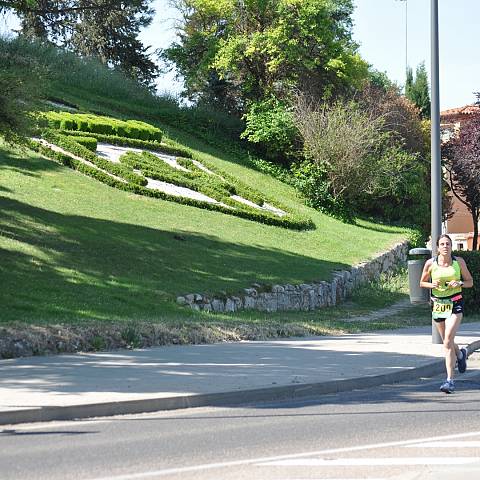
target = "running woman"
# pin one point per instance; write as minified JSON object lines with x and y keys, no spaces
{"x":446,"y":275}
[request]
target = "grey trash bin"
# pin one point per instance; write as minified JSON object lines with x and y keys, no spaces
{"x":415,"y":268}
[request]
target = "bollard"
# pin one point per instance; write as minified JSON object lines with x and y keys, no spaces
{"x":418,"y":294}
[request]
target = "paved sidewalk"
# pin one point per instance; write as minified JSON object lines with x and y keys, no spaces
{"x":95,"y":384}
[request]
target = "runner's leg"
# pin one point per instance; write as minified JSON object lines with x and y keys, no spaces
{"x":451,"y":325}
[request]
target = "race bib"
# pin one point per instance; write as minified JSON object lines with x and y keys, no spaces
{"x":442,"y":308}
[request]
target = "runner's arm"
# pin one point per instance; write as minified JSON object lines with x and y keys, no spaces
{"x":467,"y":279}
{"x":425,"y":280}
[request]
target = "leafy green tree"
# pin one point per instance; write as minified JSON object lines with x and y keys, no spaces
{"x":241,"y":52}
{"x":417,"y":90}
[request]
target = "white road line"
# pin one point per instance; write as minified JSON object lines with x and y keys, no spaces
{"x":350,"y":462}
{"x":211,"y":466}
{"x":448,"y":444}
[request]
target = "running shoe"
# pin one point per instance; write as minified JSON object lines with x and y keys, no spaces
{"x":462,"y":362}
{"x":448,"y":386}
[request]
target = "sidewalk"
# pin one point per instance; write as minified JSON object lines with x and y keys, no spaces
{"x":96,"y":384}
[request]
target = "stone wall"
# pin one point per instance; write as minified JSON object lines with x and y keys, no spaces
{"x":300,"y":297}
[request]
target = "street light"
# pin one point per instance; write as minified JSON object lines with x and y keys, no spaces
{"x":436,"y":170}
{"x":406,"y":36}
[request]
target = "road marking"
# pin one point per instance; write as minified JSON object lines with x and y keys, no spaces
{"x":356,"y":462}
{"x":448,"y":444}
{"x":233,"y":463}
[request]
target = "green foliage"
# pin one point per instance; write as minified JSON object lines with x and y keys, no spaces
{"x":89,"y":142}
{"x":170,"y":147}
{"x":79,"y":150}
{"x":102,"y":125}
{"x":417,"y":90}
{"x":231,"y":53}
{"x":311,"y":178}
{"x":354,"y":165}
{"x":472,"y":295}
{"x":22,"y":83}
{"x":270,"y":124}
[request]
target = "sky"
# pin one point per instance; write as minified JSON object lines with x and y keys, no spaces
{"x":383,"y":32}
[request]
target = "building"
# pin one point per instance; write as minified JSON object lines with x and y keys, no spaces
{"x":460,"y":226}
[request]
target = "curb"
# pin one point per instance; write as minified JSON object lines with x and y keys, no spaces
{"x":222,"y":399}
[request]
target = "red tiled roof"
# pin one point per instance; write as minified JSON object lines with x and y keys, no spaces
{"x":466,"y":110}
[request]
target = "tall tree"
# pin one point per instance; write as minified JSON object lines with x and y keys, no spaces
{"x":236,"y":52}
{"x":462,"y":162}
{"x":107,"y":29}
{"x":112,"y":36}
{"x":417,"y":90}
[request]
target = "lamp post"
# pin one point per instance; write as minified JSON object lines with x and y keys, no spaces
{"x":406,"y":35}
{"x":436,"y":169}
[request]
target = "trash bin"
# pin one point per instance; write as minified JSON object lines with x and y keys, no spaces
{"x":415,"y":268}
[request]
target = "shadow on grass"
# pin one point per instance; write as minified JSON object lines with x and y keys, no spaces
{"x":15,"y":163}
{"x":55,"y":266}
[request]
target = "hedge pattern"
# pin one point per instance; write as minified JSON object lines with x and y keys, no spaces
{"x":78,"y":134}
{"x":169,"y":148}
{"x":290,"y":222}
{"x":86,"y":122}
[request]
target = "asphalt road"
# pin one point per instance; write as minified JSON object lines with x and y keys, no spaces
{"x":402,"y":431}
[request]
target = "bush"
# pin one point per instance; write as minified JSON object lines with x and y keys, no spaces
{"x":472,"y":295}
{"x":102,"y":125}
{"x":89,"y":142}
{"x":270,"y":125}
{"x":170,"y":148}
{"x":354,"y":166}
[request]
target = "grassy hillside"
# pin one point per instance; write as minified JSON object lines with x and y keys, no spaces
{"x":72,"y":248}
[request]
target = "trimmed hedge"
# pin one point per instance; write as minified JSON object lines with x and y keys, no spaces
{"x":267,"y":219}
{"x":471,"y":295}
{"x":80,"y":151}
{"x":88,"y":142}
{"x":168,"y":149}
{"x":86,"y":122}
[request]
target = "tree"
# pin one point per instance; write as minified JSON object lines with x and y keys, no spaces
{"x":241,"y":52}
{"x":111,"y":35}
{"x":417,"y":90}
{"x":462,"y":161}
{"x":107,"y":29}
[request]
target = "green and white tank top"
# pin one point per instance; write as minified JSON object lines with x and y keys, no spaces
{"x":445,"y":275}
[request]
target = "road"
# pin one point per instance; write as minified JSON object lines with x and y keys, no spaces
{"x":403,"y":431}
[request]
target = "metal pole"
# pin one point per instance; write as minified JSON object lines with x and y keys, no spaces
{"x":406,"y":38}
{"x":436,"y":169}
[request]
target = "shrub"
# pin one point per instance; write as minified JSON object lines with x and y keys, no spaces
{"x":472,"y":295}
{"x":270,"y":124}
{"x":102,"y":125}
{"x":89,"y":142}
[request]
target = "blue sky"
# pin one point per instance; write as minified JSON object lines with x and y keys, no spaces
{"x":379,"y":28}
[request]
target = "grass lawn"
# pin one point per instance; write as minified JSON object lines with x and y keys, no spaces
{"x":74,"y":249}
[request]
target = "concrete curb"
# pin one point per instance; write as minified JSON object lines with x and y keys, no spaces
{"x":222,"y":399}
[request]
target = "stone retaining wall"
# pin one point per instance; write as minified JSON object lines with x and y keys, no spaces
{"x":300,"y":297}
